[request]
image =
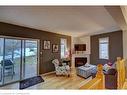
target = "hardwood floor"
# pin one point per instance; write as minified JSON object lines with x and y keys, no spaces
{"x":56,"y":82}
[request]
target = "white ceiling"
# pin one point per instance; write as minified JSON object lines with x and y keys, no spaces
{"x":124,"y":11}
{"x":74,"y":21}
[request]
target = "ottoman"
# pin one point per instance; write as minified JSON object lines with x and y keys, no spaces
{"x":85,"y":71}
{"x":93,"y":73}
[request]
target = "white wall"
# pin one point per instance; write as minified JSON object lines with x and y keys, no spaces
{"x":85,"y":40}
{"x":124,"y":11}
{"x":81,"y":40}
{"x":125,"y":47}
{"x":73,"y":41}
{"x":125,"y":44}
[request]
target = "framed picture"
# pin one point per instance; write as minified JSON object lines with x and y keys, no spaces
{"x":55,"y":48}
{"x":47,"y":44}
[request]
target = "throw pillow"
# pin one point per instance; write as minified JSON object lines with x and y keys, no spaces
{"x":114,"y":65}
{"x":106,"y":67}
{"x":110,"y":64}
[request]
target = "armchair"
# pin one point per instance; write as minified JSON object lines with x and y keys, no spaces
{"x":61,"y":69}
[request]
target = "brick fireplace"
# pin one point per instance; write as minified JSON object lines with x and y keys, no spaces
{"x":79,"y":61}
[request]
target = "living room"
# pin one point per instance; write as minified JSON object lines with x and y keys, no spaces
{"x":39,"y":37}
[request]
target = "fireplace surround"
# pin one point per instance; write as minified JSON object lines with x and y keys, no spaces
{"x":79,"y":61}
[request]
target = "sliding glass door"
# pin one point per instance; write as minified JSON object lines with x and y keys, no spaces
{"x":12,"y":60}
{"x":1,"y":58}
{"x":18,"y":59}
{"x":30,"y":58}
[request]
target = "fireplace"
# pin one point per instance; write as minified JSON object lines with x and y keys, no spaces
{"x":79,"y":61}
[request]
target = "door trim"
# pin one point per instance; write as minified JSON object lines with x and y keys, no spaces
{"x":38,"y":57}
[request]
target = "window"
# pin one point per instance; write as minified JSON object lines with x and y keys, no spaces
{"x":63,"y":48}
{"x":104,"y":48}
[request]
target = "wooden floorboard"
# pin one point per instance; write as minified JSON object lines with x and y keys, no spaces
{"x":56,"y":82}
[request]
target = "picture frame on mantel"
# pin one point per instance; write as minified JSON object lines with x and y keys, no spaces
{"x":47,"y":44}
{"x":55,"y":48}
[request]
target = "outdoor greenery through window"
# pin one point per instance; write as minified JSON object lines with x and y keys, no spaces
{"x":104,"y":48}
{"x":63,"y":47}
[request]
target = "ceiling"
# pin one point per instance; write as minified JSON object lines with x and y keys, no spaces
{"x":74,"y":20}
{"x":124,"y":11}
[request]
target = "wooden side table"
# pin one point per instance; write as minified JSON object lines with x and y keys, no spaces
{"x":68,"y":62}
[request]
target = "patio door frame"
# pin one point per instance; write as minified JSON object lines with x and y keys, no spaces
{"x":23,"y":57}
{"x":21,"y":62}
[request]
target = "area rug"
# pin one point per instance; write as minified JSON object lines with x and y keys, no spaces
{"x":30,"y":82}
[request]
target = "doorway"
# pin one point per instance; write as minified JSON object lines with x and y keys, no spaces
{"x":18,"y":59}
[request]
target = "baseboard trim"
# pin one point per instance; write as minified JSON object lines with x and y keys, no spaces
{"x":48,"y":73}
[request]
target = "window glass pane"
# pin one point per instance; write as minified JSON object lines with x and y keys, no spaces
{"x":62,"y":50}
{"x":103,"y":40}
{"x":63,"y":47}
{"x":103,"y":48}
{"x":1,"y":58}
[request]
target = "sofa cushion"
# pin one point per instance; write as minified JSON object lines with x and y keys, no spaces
{"x":112,"y":71}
